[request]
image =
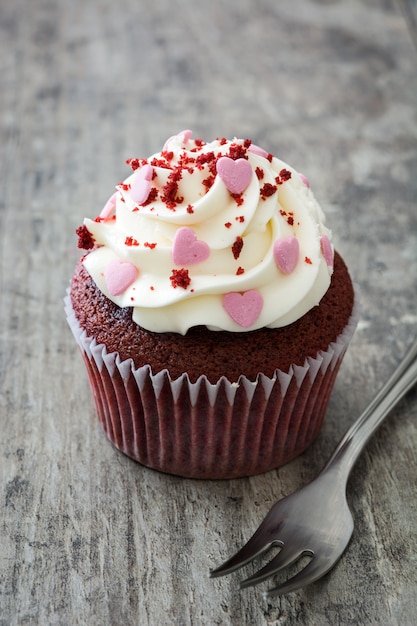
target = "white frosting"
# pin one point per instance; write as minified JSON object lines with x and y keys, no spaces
{"x":218,"y":218}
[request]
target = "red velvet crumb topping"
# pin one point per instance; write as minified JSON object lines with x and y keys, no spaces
{"x":208,"y":182}
{"x":237,"y":197}
{"x":134,"y":163}
{"x":289,"y":217}
{"x":131,"y":241}
{"x":168,"y":155}
{"x":180,"y":278}
{"x":153,"y":194}
{"x":267,"y":190}
{"x":283,"y":176}
{"x":86,"y":240}
{"x":237,"y":247}
{"x":206,"y":157}
{"x":160,"y":163}
{"x":237,"y":151}
{"x":170,"y":190}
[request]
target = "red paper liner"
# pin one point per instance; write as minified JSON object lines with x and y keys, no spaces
{"x":201,"y":430}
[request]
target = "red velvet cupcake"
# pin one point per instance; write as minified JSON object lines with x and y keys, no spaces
{"x":211,"y":310}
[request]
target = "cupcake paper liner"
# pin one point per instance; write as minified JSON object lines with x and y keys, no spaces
{"x":202,"y":430}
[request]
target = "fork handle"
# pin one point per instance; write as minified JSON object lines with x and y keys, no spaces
{"x":348,"y":450}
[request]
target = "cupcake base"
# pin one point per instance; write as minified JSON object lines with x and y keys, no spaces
{"x":210,"y":431}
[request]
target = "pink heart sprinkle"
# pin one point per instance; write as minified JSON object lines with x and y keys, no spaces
{"x":304,"y":179}
{"x":187,"y":249}
{"x":327,"y":250}
{"x":257,"y":150}
{"x":119,"y":275}
{"x":186,"y":135}
{"x":236,"y":175}
{"x":109,"y":207}
{"x":243,"y":308}
{"x":286,"y":253}
{"x":141,"y":184}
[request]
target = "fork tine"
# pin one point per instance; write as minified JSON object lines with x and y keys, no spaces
{"x":285,"y":557}
{"x":314,"y":570}
{"x":261,"y":540}
{"x":253,"y":548}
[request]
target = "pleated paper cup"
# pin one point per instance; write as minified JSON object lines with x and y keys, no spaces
{"x":211,"y":431}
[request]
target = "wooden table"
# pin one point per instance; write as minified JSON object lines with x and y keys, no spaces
{"x":87,"y":536}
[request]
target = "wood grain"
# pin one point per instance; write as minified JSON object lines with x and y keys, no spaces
{"x":87,"y":536}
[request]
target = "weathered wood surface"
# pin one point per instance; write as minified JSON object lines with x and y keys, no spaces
{"x":86,"y":535}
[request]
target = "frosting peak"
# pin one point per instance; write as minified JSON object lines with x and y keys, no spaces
{"x":221,"y":234}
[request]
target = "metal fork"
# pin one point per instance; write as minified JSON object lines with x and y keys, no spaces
{"x":316,"y":521}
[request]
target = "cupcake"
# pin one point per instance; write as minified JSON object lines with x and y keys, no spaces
{"x":211,"y":310}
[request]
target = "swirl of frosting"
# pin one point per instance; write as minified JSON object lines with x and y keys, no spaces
{"x":220,"y":234}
